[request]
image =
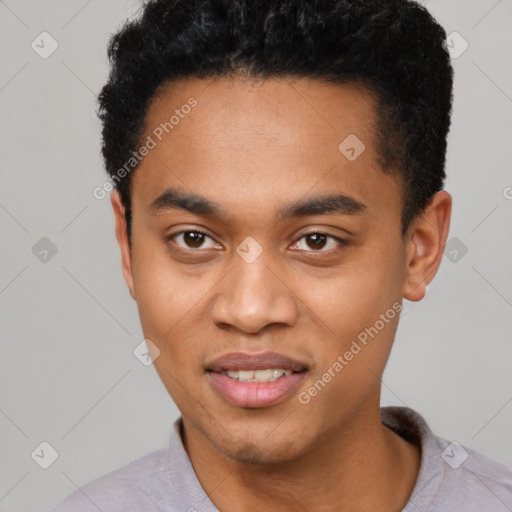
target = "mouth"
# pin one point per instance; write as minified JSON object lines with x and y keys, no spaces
{"x":267,"y":375}
{"x":255,"y":380}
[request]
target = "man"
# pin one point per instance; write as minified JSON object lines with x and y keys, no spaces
{"x":278,"y":169}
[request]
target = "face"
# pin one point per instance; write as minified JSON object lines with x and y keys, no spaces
{"x":288,"y":254}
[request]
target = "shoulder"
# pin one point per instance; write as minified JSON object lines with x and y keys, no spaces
{"x":452,"y":477}
{"x":139,"y":485}
{"x":472,"y":481}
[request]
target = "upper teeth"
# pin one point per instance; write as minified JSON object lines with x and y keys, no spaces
{"x":258,"y":375}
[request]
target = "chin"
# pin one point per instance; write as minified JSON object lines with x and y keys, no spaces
{"x":258,"y":451}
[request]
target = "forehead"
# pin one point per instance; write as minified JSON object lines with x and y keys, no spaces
{"x":246,"y":141}
{"x":273,"y":113}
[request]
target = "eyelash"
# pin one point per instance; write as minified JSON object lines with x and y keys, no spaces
{"x":341,"y":241}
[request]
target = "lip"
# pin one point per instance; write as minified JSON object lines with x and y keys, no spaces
{"x":254,"y":361}
{"x":255,"y":394}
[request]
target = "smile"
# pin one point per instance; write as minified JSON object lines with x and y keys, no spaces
{"x":269,"y":375}
{"x":255,"y":380}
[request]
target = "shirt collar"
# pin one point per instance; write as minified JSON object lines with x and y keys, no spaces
{"x":412,"y":427}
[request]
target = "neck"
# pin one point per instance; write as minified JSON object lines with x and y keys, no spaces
{"x":362,"y":466}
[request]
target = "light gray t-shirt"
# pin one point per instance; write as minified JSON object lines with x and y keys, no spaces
{"x":452,"y":478}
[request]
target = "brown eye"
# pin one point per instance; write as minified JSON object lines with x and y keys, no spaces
{"x":192,"y":240}
{"x":316,"y":242}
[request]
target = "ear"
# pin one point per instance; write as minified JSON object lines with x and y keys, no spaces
{"x":425,"y":244}
{"x":122,"y":240}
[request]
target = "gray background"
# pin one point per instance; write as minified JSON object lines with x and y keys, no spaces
{"x":69,"y":327}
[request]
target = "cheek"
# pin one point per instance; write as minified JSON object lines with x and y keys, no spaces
{"x":354,"y":335}
{"x":164,"y":298}
{"x":166,"y":302}
{"x":172,"y":307}
{"x":353,"y":297}
{"x":164,"y":294}
{"x":354,"y":313}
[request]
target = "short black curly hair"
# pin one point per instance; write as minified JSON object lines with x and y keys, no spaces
{"x":393,"y":47}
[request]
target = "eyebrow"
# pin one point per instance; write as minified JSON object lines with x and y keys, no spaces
{"x":174,"y":198}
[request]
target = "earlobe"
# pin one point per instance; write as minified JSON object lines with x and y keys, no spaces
{"x":425,"y":245}
{"x":122,"y":240}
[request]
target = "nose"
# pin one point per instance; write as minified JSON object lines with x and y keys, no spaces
{"x":253,"y":296}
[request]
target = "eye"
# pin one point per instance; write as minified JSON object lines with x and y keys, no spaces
{"x":193,"y":239}
{"x":314,"y":242}
{"x":317,"y":241}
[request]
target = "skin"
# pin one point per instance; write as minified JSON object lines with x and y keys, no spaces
{"x":253,"y":147}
